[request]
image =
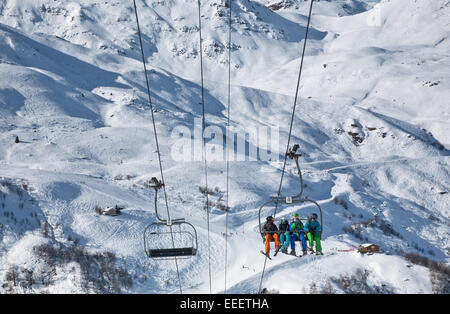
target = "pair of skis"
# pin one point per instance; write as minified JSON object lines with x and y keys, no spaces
{"x":267,"y":254}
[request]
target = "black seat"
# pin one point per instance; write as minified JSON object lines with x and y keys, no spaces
{"x":172,"y":252}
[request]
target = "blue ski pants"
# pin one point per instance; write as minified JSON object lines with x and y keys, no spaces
{"x":301,"y":237}
{"x":284,"y":240}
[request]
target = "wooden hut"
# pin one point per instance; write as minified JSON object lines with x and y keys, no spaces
{"x":368,"y":248}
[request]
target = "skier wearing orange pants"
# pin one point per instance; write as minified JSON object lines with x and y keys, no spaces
{"x":271,"y":233}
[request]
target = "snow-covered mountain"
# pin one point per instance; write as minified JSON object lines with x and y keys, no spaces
{"x":372,"y":117}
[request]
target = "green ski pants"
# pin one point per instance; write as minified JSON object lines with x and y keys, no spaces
{"x":316,"y":238}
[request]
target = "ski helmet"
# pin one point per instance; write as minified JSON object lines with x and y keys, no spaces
{"x":314,"y":215}
{"x":269,"y":218}
{"x":295,"y":215}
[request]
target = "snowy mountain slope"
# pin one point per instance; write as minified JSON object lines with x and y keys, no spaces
{"x":372,"y":118}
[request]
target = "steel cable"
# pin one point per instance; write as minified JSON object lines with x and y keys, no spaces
{"x":290,"y":129}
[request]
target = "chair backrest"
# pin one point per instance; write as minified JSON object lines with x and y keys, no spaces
{"x":172,"y":252}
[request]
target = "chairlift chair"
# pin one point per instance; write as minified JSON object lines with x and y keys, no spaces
{"x":289,"y":200}
{"x":180,"y":234}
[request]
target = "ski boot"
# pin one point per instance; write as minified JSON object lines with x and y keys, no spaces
{"x":266,"y":254}
{"x":311,"y":250}
{"x":293,"y":253}
{"x":285,"y":251}
{"x":319,"y":253}
{"x":305,"y":253}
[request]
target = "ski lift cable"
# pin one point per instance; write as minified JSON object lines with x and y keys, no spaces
{"x":290,"y":127}
{"x":226,"y":144}
{"x":204,"y":142}
{"x":156,"y":137}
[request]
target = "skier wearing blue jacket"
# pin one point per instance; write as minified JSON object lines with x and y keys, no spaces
{"x":314,"y":233}
{"x":297,"y":233}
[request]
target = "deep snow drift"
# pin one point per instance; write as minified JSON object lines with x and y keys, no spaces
{"x":372,"y":116}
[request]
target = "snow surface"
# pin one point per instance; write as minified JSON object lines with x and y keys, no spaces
{"x":73,"y":90}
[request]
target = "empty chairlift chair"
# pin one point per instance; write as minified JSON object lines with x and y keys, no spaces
{"x":169,"y":239}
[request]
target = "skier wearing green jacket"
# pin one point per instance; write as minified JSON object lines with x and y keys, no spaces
{"x":314,"y":232}
{"x":297,"y":233}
